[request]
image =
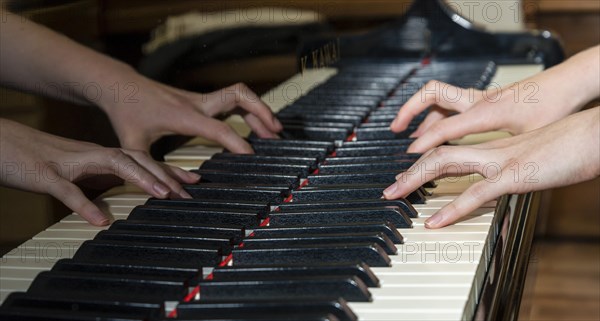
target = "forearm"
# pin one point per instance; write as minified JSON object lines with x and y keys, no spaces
{"x":37,"y":59}
{"x":574,"y":82}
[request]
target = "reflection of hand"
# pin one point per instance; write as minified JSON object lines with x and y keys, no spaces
{"x":563,"y":153}
{"x":43,"y":163}
{"x":521,"y":107}
{"x":159,"y":110}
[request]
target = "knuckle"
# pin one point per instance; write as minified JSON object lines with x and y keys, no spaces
{"x":442,"y":152}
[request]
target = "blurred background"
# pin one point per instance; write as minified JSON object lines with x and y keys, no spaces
{"x":564,"y":276}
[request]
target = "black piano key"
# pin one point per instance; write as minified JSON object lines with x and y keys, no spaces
{"x":170,"y":255}
{"x":403,"y":204}
{"x":252,"y":193}
{"x":341,"y":216}
{"x":271,"y":150}
{"x":365,"y":167}
{"x":387,"y":177}
{"x":371,"y":254}
{"x":223,"y":176}
{"x":265,"y":317}
{"x":319,"y":133}
{"x":326,"y":117}
{"x":320,"y":108}
{"x":273,"y":308}
{"x":341,"y":193}
{"x":105,"y":309}
{"x":253,"y":158}
{"x":70,"y":265}
{"x":260,"y":208}
{"x":191,"y":215}
{"x":401,"y":157}
{"x":349,"y":288}
{"x":288,"y":142}
{"x":371,"y":150}
{"x":369,"y":133}
{"x":294,"y":123}
{"x":233,"y":232}
{"x":321,"y":239}
{"x":225,"y":245}
{"x":21,"y":314}
{"x":245,"y":167}
{"x":359,"y":270}
{"x":103,"y":286}
{"x":386,"y":142}
{"x":384,"y":227}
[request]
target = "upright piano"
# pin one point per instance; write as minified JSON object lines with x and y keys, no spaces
{"x":298,"y":230}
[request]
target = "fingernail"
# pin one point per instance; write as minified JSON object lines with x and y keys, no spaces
{"x":433,"y":221}
{"x":184,"y":194}
{"x":161,"y":189}
{"x":103,"y":222}
{"x":277,"y":123}
{"x":398,"y":176}
{"x":390,"y":190}
{"x":194,"y":176}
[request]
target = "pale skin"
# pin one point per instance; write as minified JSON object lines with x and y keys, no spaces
{"x":560,"y":152}
{"x":36,"y":59}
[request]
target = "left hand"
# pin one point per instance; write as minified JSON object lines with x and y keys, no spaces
{"x":157,"y":110}
{"x":563,"y":153}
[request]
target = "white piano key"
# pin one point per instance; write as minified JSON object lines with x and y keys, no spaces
{"x":76,"y":226}
{"x":20,"y":273}
{"x":53,"y":235}
{"x":196,"y":152}
{"x":74,"y":218}
{"x":416,"y":268}
{"x":431,"y":279}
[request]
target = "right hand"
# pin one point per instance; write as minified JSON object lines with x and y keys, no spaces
{"x":39,"y":162}
{"x":562,"y":153}
{"x":518,"y":108}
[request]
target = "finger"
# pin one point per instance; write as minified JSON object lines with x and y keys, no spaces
{"x":215,"y":130}
{"x":439,"y":162}
{"x":239,"y":95}
{"x":225,"y":135}
{"x":258,"y":127}
{"x":432,"y":117}
{"x":116,"y":162}
{"x":471,"y":199}
{"x":434,"y":92}
{"x":158,"y":171}
{"x":457,"y":126}
{"x":74,"y":199}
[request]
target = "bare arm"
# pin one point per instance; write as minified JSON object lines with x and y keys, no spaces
{"x":37,"y":59}
{"x":557,"y":92}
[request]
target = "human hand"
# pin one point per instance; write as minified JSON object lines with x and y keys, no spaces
{"x":563,"y":153}
{"x":38,"y":162}
{"x":518,"y":108}
{"x":158,"y":110}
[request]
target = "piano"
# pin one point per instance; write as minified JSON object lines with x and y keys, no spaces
{"x":299,"y":231}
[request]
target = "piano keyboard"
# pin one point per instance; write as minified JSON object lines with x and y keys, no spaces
{"x":281,"y":251}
